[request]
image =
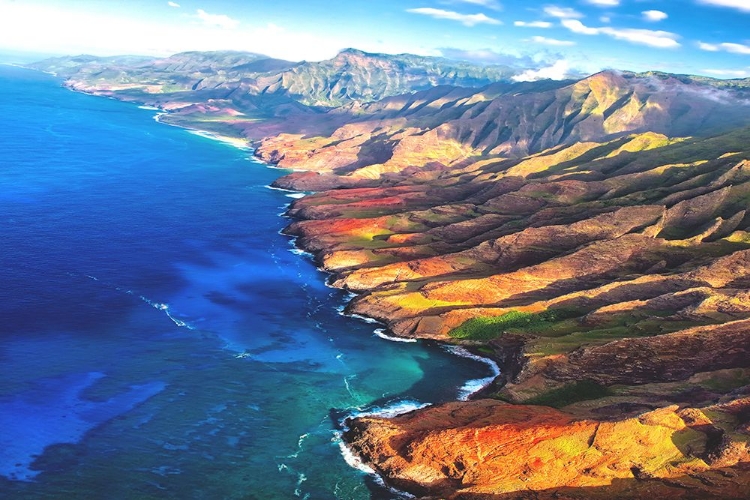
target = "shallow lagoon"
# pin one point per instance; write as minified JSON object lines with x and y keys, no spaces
{"x":159,"y":337}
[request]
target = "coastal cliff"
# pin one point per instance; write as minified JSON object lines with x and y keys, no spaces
{"x":589,"y":237}
{"x":592,"y":236}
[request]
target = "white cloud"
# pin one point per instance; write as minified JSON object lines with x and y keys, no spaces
{"x":490,"y":4}
{"x":578,"y":27}
{"x":605,"y":19}
{"x":734,"y":48}
{"x":654,"y":15}
{"x":742,"y":5}
{"x":562,"y":12}
{"x":551,"y":41}
{"x":465,"y":19}
{"x":604,"y":3}
{"x":659,"y":39}
{"x":733,"y":73}
{"x":710,"y":47}
{"x":558,"y":71}
{"x":217,"y":20}
{"x":533,"y":24}
{"x":174,"y":4}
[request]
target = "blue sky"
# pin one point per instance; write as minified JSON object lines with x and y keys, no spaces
{"x":552,"y":39}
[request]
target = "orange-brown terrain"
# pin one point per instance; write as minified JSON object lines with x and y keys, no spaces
{"x":592,"y":236}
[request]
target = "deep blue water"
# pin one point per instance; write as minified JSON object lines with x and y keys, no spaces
{"x":158,"y":336}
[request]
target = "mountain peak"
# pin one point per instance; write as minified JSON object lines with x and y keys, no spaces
{"x":352,"y":51}
{"x":360,"y":57}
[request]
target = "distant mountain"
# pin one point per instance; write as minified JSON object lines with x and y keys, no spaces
{"x":187,"y":71}
{"x":350,"y":76}
{"x":66,"y":66}
{"x":354,"y":75}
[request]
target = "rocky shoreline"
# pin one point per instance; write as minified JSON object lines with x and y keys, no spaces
{"x":685,"y":445}
{"x":592,"y":237}
{"x":433,"y":452}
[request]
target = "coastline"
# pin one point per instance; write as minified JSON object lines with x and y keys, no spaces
{"x":471,"y":388}
{"x":531,"y":367}
{"x":399,"y":408}
{"x":369,"y":435}
{"x":237,"y":142}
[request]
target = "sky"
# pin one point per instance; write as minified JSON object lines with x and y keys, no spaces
{"x":548,"y":39}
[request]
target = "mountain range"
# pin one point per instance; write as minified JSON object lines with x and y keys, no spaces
{"x":591,"y":235}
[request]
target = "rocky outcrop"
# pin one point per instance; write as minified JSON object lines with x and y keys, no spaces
{"x":489,"y":449}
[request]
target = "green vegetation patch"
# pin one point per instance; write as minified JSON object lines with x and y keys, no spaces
{"x":490,"y":327}
{"x":575,"y":392}
{"x":727,"y":380}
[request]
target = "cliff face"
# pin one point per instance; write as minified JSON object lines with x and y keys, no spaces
{"x":593,"y":236}
{"x":492,"y":450}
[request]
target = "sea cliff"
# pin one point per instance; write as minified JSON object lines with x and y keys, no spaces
{"x":591,"y":236}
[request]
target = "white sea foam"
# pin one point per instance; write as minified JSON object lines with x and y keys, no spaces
{"x":356,"y":462}
{"x":380,"y":332}
{"x":349,"y":387}
{"x":149,"y":108}
{"x":165,"y":307}
{"x":301,"y":478}
{"x":300,"y":441}
{"x":359,"y":317}
{"x":390,"y":410}
{"x":297,"y":251}
{"x":275,"y":188}
{"x":475,"y":385}
{"x":233,"y":141}
{"x":292,"y":193}
{"x":353,"y":460}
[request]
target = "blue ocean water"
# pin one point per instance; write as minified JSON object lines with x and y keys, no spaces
{"x":158,"y":336}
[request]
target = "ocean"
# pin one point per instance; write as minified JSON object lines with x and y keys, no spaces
{"x":159,"y":337}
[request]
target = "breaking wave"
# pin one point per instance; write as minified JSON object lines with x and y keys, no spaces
{"x":475,"y":385}
{"x":381,"y":332}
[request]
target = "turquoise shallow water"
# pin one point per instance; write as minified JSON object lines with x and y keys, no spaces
{"x":159,"y":338}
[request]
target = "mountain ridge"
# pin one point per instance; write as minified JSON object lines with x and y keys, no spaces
{"x":351,"y":75}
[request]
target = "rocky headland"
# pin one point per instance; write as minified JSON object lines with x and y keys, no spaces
{"x":592,"y":236}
